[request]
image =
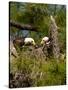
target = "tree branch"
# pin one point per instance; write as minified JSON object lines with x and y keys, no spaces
{"x":23,"y":26}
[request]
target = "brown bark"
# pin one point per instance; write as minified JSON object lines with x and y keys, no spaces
{"x":53,"y":34}
{"x":23,"y":26}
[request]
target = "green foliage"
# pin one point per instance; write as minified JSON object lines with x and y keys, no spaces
{"x":39,"y":15}
{"x":41,"y":72}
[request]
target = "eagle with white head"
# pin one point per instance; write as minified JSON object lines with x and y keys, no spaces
{"x":45,"y":40}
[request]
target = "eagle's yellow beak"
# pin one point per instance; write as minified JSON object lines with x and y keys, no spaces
{"x":34,"y":43}
{"x":42,"y":42}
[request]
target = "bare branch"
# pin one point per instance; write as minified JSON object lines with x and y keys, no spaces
{"x":23,"y":26}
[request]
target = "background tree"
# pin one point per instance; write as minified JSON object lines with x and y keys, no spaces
{"x":39,"y":15}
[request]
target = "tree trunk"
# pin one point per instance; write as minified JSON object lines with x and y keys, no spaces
{"x":53,"y":34}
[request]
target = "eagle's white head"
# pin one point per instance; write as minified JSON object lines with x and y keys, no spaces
{"x":45,"y":40}
{"x":29,"y":41}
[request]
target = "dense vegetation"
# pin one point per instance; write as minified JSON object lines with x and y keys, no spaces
{"x":31,"y":68}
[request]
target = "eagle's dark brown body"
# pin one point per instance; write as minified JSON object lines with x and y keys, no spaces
{"x":19,"y":42}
